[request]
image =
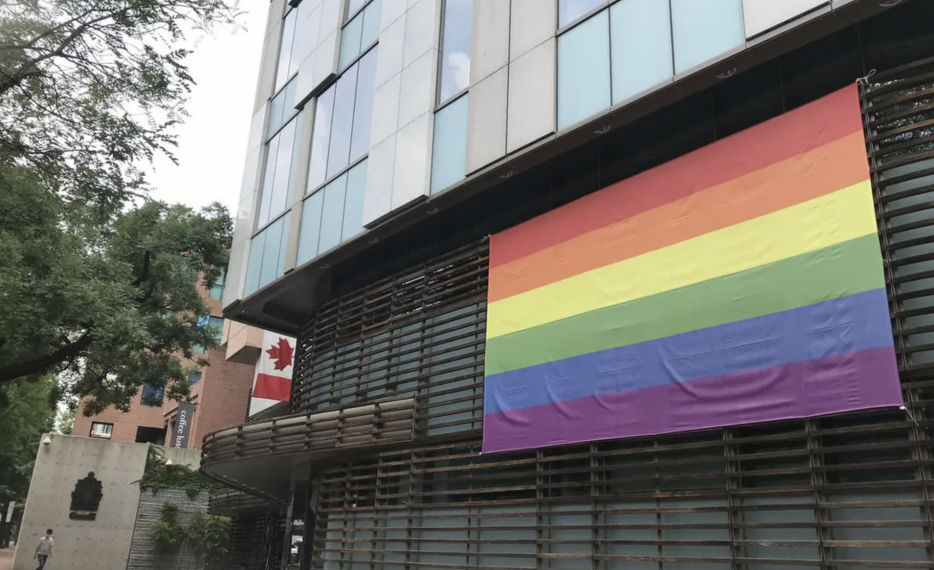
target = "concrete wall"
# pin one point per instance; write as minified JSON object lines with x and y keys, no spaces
{"x":143,"y":555}
{"x":101,"y":544}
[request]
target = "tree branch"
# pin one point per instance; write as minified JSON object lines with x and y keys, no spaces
{"x":43,"y":363}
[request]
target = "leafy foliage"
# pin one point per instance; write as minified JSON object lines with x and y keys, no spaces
{"x":91,"y":89}
{"x":28,"y":414}
{"x":113,"y":308}
{"x":65,"y":421}
{"x":157,"y":475}
{"x":96,"y":282}
{"x":208,"y":535}
{"x":167,"y":534}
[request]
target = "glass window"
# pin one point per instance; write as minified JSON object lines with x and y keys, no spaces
{"x":217,"y":323}
{"x":570,"y":10}
{"x":360,"y":33}
{"x":102,"y":430}
{"x":449,"y":148}
{"x":267,"y":256}
{"x":282,"y":108}
{"x":254,"y":263}
{"x":318,"y":163}
{"x":342,"y":123}
{"x":151,"y":396}
{"x":311,"y":227}
{"x":705,"y":30}
{"x":287,"y":67}
{"x":279,"y":176}
{"x":350,"y":42}
{"x":217,"y":289}
{"x":363,"y":105}
{"x":194,"y":376}
{"x":197,"y":349}
{"x":455,"y":48}
{"x":332,"y":215}
{"x":584,"y":70}
{"x":640,"y":38}
{"x":353,"y":6}
{"x":353,"y":202}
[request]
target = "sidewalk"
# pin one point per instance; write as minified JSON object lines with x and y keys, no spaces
{"x":6,"y":558}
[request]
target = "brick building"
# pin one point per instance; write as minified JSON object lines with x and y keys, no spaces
{"x":220,"y":392}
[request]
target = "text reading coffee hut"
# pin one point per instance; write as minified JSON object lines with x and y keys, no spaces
{"x":580,"y":284}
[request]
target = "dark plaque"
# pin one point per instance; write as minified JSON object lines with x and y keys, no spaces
{"x":86,"y":498}
{"x":182,"y":431}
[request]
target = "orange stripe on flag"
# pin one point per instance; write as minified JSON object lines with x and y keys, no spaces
{"x":806,"y":128}
{"x":818,"y":172}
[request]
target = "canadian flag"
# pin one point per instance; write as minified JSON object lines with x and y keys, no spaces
{"x":273,"y":379}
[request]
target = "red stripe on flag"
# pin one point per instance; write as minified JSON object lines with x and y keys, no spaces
{"x":272,"y":387}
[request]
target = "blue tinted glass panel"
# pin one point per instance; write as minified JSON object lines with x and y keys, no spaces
{"x":194,"y":376}
{"x":217,"y":323}
{"x":350,"y":42}
{"x":371,"y":18}
{"x":449,"y":148}
{"x":276,"y":108}
{"x":280,"y":187}
{"x":217,"y":289}
{"x":280,"y":265}
{"x":455,"y":48}
{"x":570,"y":10}
{"x":254,"y":264}
{"x":363,"y":104}
{"x":268,"y":271}
{"x":296,"y":144}
{"x":354,"y":5}
{"x":353,"y":203}
{"x":332,"y":216}
{"x":705,"y":30}
{"x":311,"y":227}
{"x":269,"y":178}
{"x":584,"y":70}
{"x":152,"y":396}
{"x":320,"y":139}
{"x":641,"y":46}
{"x":286,"y":67}
{"x":342,"y":125}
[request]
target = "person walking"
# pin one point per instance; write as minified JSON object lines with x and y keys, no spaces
{"x":44,"y":549}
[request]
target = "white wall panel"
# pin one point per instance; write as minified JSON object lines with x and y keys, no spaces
{"x":763,"y":15}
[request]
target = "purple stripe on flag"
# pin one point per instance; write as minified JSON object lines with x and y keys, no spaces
{"x":836,"y":384}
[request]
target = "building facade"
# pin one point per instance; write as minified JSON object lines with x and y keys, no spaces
{"x":396,"y":145}
{"x":220,"y":392}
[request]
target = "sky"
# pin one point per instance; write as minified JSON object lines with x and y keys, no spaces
{"x":212,"y":142}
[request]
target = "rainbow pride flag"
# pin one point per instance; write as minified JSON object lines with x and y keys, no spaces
{"x":741,"y":283}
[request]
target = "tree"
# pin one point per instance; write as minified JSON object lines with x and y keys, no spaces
{"x":98,"y":284}
{"x":90,"y":90}
{"x":29,"y":414}
{"x":107,"y":308}
{"x":65,"y":421}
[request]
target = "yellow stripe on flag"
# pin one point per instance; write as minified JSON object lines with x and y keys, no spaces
{"x":815,"y":224}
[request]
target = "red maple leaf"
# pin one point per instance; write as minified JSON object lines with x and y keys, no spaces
{"x":281,"y":353}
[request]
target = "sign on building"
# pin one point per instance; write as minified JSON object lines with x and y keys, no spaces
{"x":181,"y":434}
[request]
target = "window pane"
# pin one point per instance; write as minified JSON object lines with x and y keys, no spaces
{"x":270,"y":254}
{"x":283,"y":241}
{"x":269,"y":177}
{"x":641,"y":46}
{"x":455,"y":48}
{"x":363,"y":105}
{"x":280,"y":186}
{"x":311,"y":227}
{"x":339,"y":151}
{"x":296,"y":145}
{"x":286,"y":66}
{"x":333,"y":214}
{"x":194,"y":376}
{"x":217,"y":323}
{"x":350,"y":41}
{"x":570,"y":10}
{"x":353,"y":203}
{"x":449,"y":149}
{"x":320,"y":139}
{"x":371,"y":17}
{"x":584,"y":70}
{"x":217,"y":289}
{"x":254,"y":264}
{"x":151,"y":396}
{"x":705,"y":30}
{"x":276,"y":106}
{"x":353,"y":6}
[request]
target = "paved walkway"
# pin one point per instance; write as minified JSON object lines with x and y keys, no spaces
{"x":6,"y":558}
